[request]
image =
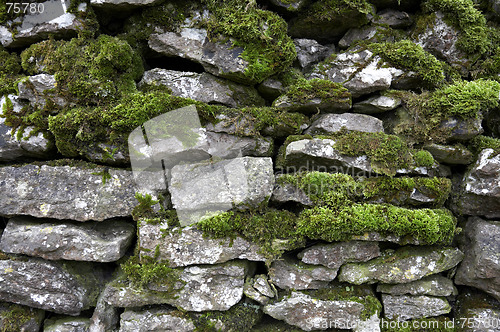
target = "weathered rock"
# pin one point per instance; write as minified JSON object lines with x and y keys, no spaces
{"x":286,"y":192}
{"x":328,"y":124}
{"x":462,"y":130}
{"x":105,"y":317}
{"x":203,"y":87}
{"x":479,"y":193}
{"x":401,"y":266}
{"x":357,"y":34}
{"x":313,"y":104}
{"x":67,"y":324}
{"x":155,"y":319}
{"x":197,"y":189}
{"x":333,"y":255}
{"x":480,"y":311}
{"x":291,"y":274}
{"x":271,"y":88}
{"x":37,"y":89}
{"x":11,"y":148}
{"x":66,"y":288}
{"x":94,"y":241}
{"x":310,"y":52}
{"x":450,"y":154}
{"x":393,"y":18}
{"x":200,"y":288}
{"x":122,"y":4}
{"x":291,"y":6}
{"x":404,"y":307}
{"x":64,"y":192}
{"x":259,"y":289}
{"x":188,"y":246}
{"x":241,"y":317}
{"x":54,"y":20}
{"x":481,"y":265}
{"x":360,"y":72}
{"x":434,"y":285}
{"x":316,"y":313}
{"x":14,"y":317}
{"x":440,"y":39}
{"x":377,"y":104}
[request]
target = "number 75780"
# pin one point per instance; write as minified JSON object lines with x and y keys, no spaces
{"x":25,"y":7}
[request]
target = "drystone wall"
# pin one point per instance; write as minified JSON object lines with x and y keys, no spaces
{"x":249,"y":165}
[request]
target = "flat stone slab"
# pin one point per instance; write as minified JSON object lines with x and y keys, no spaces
{"x":401,"y":266}
{"x":64,"y":192}
{"x":92,"y":241}
{"x":434,"y":285}
{"x":155,"y":319}
{"x":188,"y":246}
{"x":291,"y":274}
{"x":328,"y":124}
{"x":65,"y":288}
{"x":404,"y":307}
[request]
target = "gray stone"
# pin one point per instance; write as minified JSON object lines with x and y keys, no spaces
{"x":401,"y":266}
{"x":364,"y":33}
{"x":481,"y":265}
{"x":377,"y":104}
{"x":480,"y":311}
{"x":313,"y":104}
{"x":462,"y":130}
{"x":450,"y":154}
{"x":333,"y":255}
{"x":200,"y":288}
{"x":259,"y":289}
{"x":288,"y":273}
{"x":328,"y":124}
{"x":310,"y":313}
{"x":359,"y":71}
{"x":54,"y":20}
{"x":291,"y":6}
{"x":37,"y":88}
{"x":198,"y":189}
{"x":155,"y":319}
{"x":404,"y":307}
{"x":122,"y":4}
{"x":188,"y":246}
{"x":219,"y":59}
{"x":65,"y":288}
{"x":478,"y":192}
{"x":68,"y":324}
{"x":14,"y":317}
{"x":286,"y":192}
{"x":271,"y":88}
{"x":441,"y":39}
{"x":11,"y":148}
{"x":93,"y":241}
{"x":393,"y":18}
{"x":64,"y":192}
{"x":105,"y":317}
{"x":434,"y":285}
{"x":310,"y":52}
{"x":203,"y":87}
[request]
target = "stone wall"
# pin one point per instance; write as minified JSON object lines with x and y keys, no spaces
{"x":250,"y":166}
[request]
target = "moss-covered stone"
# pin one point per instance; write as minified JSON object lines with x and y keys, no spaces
{"x":15,"y":318}
{"x":10,"y":71}
{"x":479,"y":143}
{"x":242,"y":317}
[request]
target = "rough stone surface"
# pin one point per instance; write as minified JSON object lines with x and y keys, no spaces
{"x":479,"y":310}
{"x":210,"y":287}
{"x":53,"y":21}
{"x":271,"y":88}
{"x":462,"y":130}
{"x":154,"y":319}
{"x":401,"y":266}
{"x":377,"y":104}
{"x":69,"y":324}
{"x":481,"y":265}
{"x":309,"y":313}
{"x":188,"y":246}
{"x":27,"y":320}
{"x":310,"y":52}
{"x":105,"y":317}
{"x":333,"y":255}
{"x":479,"y":192}
{"x":98,"y":242}
{"x":287,"y":192}
{"x":434,"y":285}
{"x":358,"y":34}
{"x":292,"y":6}
{"x":450,"y":154}
{"x":360,"y":72}
{"x":328,"y":124}
{"x":64,"y":192}
{"x":291,"y":274}
{"x":312,"y":105}
{"x":219,"y":59}
{"x":197,"y":189}
{"x":34,"y":89}
{"x":259,"y":289}
{"x":60,"y":287}
{"x":203,"y":87}
{"x":404,"y":307}
{"x":393,"y":18}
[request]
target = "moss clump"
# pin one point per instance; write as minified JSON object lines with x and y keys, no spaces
{"x":267,"y":228}
{"x":13,"y":317}
{"x":423,"y":158}
{"x":438,"y":324}
{"x":262,"y":34}
{"x":407,"y":55}
{"x":479,"y":143}
{"x":304,"y":91}
{"x":87,"y":71}
{"x":474,"y":37}
{"x":241,"y":317}
{"x":10,"y":69}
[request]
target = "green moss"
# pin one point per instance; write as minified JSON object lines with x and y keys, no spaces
{"x":330,"y":9}
{"x":423,"y":158}
{"x":280,"y":159}
{"x":87,"y":71}
{"x":145,"y":207}
{"x":13,"y":317}
{"x":304,"y":91}
{"x":474,"y":36}
{"x":268,"y":229}
{"x":10,"y":72}
{"x":407,"y":55}
{"x":438,"y":324}
{"x":479,"y":143}
{"x":241,"y":317}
